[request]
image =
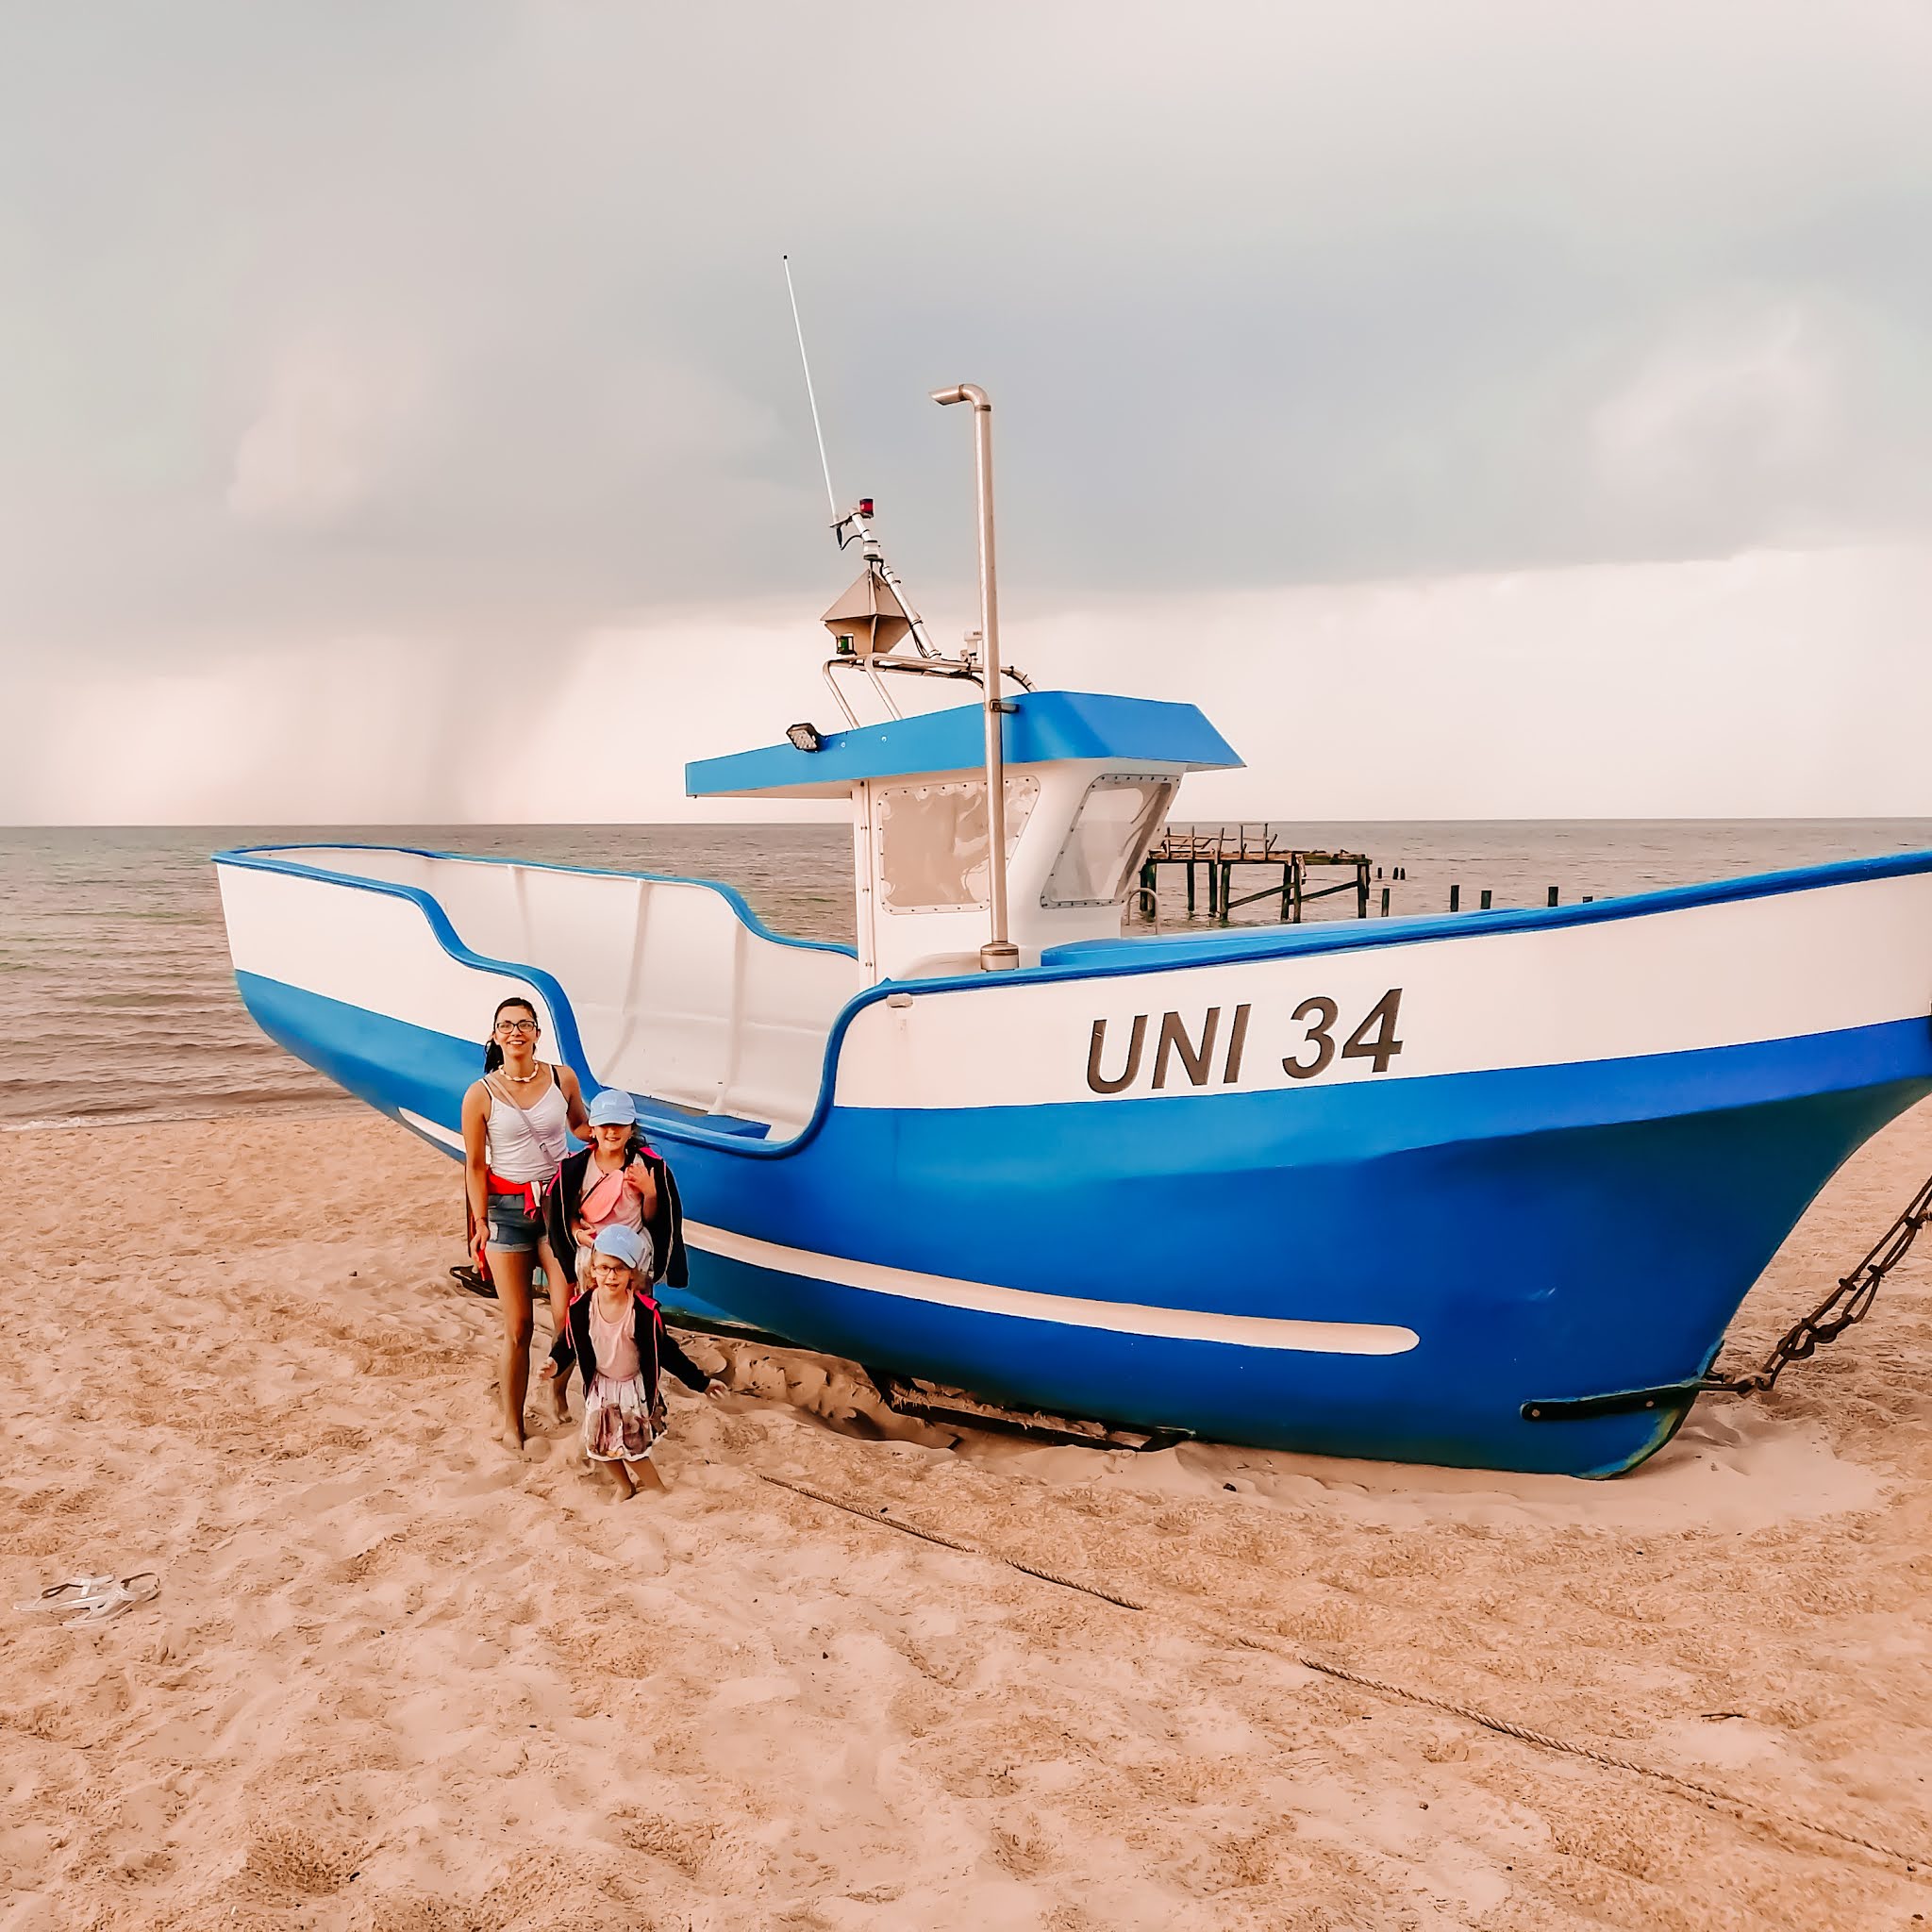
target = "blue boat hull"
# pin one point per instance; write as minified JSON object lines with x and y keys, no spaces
{"x":1539,"y":1232}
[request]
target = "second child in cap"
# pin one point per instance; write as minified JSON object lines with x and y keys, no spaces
{"x":618,"y":1189}
{"x":617,"y":1181}
{"x":617,"y":1335}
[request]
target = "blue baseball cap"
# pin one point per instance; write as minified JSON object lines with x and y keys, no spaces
{"x":614,"y":1108}
{"x":627,"y":1244}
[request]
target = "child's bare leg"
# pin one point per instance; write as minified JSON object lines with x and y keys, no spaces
{"x":558,"y":1292}
{"x":620,"y":1477}
{"x":643,"y":1476}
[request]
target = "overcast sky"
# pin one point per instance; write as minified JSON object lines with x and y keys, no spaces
{"x":387,"y":388}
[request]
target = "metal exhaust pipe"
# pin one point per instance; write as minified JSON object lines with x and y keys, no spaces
{"x":999,"y":954}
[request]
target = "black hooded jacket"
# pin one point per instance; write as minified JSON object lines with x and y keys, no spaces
{"x":665,"y":1226}
{"x":657,"y":1351}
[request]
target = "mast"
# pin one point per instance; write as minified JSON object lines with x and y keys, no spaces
{"x":999,"y":954}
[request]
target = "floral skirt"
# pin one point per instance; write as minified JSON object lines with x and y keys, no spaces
{"x":618,"y":1425}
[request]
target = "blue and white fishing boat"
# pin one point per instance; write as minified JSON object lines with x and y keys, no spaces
{"x":1482,"y":1189}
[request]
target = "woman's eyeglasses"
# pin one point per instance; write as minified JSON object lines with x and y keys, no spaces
{"x":516,"y":1026}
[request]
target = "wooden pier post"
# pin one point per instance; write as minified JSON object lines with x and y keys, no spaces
{"x":1486,"y":898}
{"x":1553,"y":895}
{"x":1385,"y":902}
{"x":1456,"y":898}
{"x":1222,"y":850}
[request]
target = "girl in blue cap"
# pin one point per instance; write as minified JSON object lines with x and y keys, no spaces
{"x":617,"y":1180}
{"x":616,"y":1333}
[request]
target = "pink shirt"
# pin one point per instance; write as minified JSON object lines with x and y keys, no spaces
{"x":615,"y":1343}
{"x":607,"y":1199}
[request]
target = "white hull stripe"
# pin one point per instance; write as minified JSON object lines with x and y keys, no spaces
{"x":1117,"y":1318}
{"x":984,"y":1298}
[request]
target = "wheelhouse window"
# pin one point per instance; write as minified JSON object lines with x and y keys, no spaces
{"x":933,"y":842}
{"x":1108,"y":838}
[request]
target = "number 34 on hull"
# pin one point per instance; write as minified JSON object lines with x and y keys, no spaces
{"x":1191,"y":1053}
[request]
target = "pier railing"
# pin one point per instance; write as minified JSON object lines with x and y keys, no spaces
{"x":1219,"y":851}
{"x":1225,"y":848}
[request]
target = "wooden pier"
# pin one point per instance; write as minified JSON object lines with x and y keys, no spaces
{"x":1222,"y":850}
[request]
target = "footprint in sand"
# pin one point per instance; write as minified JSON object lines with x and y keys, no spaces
{"x":479,"y":1483}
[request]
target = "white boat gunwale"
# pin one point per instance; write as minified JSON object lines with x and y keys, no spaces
{"x":262,"y":858}
{"x":1097,"y":959}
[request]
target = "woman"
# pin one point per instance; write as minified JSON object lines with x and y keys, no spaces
{"x":517,"y":1123}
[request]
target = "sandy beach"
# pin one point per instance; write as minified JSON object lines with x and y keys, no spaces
{"x":397,"y":1679}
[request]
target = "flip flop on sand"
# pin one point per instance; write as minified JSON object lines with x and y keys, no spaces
{"x":467,"y":1278}
{"x":96,"y":1598}
{"x":142,"y":1588}
{"x":70,"y":1594}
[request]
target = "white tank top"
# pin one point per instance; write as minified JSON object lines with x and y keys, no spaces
{"x":528,"y":1143}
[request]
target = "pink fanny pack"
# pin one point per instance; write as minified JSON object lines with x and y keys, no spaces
{"x":600,"y":1203}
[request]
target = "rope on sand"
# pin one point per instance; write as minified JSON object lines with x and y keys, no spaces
{"x":949,"y":1543}
{"x":1708,"y":1795}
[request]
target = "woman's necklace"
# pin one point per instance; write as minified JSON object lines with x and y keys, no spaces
{"x":521,"y":1080}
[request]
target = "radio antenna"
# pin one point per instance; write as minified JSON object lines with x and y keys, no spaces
{"x":810,"y":394}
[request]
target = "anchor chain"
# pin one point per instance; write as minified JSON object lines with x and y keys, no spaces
{"x":1848,"y":1303}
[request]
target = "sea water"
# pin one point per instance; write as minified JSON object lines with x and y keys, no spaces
{"x":117,"y":1002}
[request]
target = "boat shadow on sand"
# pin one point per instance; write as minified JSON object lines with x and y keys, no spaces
{"x":1729,"y":1470}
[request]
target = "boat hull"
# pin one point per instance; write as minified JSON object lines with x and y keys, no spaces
{"x":1365,"y":1262}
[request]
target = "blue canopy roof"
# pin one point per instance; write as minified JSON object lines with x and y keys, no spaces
{"x":1043,"y":727}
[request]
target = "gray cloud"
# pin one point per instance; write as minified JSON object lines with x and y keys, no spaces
{"x":463,"y":320}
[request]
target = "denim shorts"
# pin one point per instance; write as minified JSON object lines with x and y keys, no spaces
{"x":513,"y":1226}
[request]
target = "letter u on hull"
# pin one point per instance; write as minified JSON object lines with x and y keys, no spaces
{"x":1137,"y":1040}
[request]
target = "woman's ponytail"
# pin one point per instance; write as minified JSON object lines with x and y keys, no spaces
{"x":493,"y":1057}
